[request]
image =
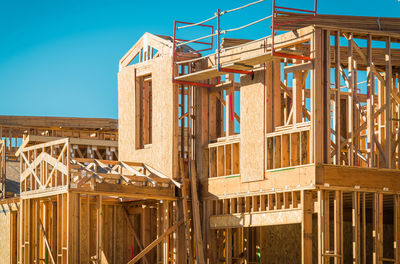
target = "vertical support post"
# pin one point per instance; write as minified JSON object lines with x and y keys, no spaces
{"x":377,"y":233}
{"x":88,"y":225}
{"x":268,"y":96}
{"x":356,"y":226}
{"x":388,"y":100}
{"x":397,"y":227}
{"x":99,"y":240}
{"x":211,"y":237}
{"x":228,"y":246}
{"x":317,"y":99}
{"x":306,"y":227}
{"x":276,"y":93}
{"x":165,"y":207}
{"x":320,"y":225}
{"x":327,"y":95}
{"x":230,"y":106}
{"x":338,"y":227}
{"x":196,"y":215}
{"x":145,"y":111}
{"x":364,"y":228}
{"x":370,"y":105}
{"x":351,"y":95}
{"x":159,"y":229}
{"x":36,"y":245}
{"x":337,"y":98}
{"x":59,"y":228}
{"x":146,"y":229}
{"x":297,"y":97}
{"x":325,"y":228}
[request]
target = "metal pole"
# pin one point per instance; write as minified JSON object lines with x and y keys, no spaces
{"x":218,"y":38}
{"x":315,"y":8}
{"x":173,"y":53}
{"x":273,"y":29}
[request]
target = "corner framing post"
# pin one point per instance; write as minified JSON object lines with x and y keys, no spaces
{"x":326,"y":84}
{"x":317,"y":99}
{"x":306,"y":227}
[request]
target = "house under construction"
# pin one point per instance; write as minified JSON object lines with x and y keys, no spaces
{"x":305,"y":170}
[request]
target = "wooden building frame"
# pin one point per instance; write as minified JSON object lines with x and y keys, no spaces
{"x":315,"y":163}
{"x":326,"y":147}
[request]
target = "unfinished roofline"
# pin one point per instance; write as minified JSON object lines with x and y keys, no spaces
{"x":58,"y":122}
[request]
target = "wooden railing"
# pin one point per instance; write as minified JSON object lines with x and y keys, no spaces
{"x":223,"y":157}
{"x":289,"y":146}
{"x":256,"y":203}
{"x":45,"y":165}
{"x":86,"y":173}
{"x":55,"y":165}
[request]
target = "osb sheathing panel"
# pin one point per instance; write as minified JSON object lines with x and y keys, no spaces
{"x":279,"y":180}
{"x":280,"y":244}
{"x":5,"y":238}
{"x":159,"y":154}
{"x":252,"y":127}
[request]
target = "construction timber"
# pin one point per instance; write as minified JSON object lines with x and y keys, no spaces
{"x":305,"y":168}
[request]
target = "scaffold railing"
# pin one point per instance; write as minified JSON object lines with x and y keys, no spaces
{"x":275,"y":26}
{"x":207,"y":42}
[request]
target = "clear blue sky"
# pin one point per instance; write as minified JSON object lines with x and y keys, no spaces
{"x":60,"y":58}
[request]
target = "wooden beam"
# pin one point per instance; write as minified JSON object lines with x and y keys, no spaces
{"x":252,"y":219}
{"x":51,"y":254}
{"x":224,"y":86}
{"x":196,"y":215}
{"x":299,"y":67}
{"x":185,"y":195}
{"x":155,"y":242}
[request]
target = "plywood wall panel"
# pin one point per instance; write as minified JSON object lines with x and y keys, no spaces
{"x":252,"y":127}
{"x":160,"y":154}
{"x":5,"y":239}
{"x":280,"y":244}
